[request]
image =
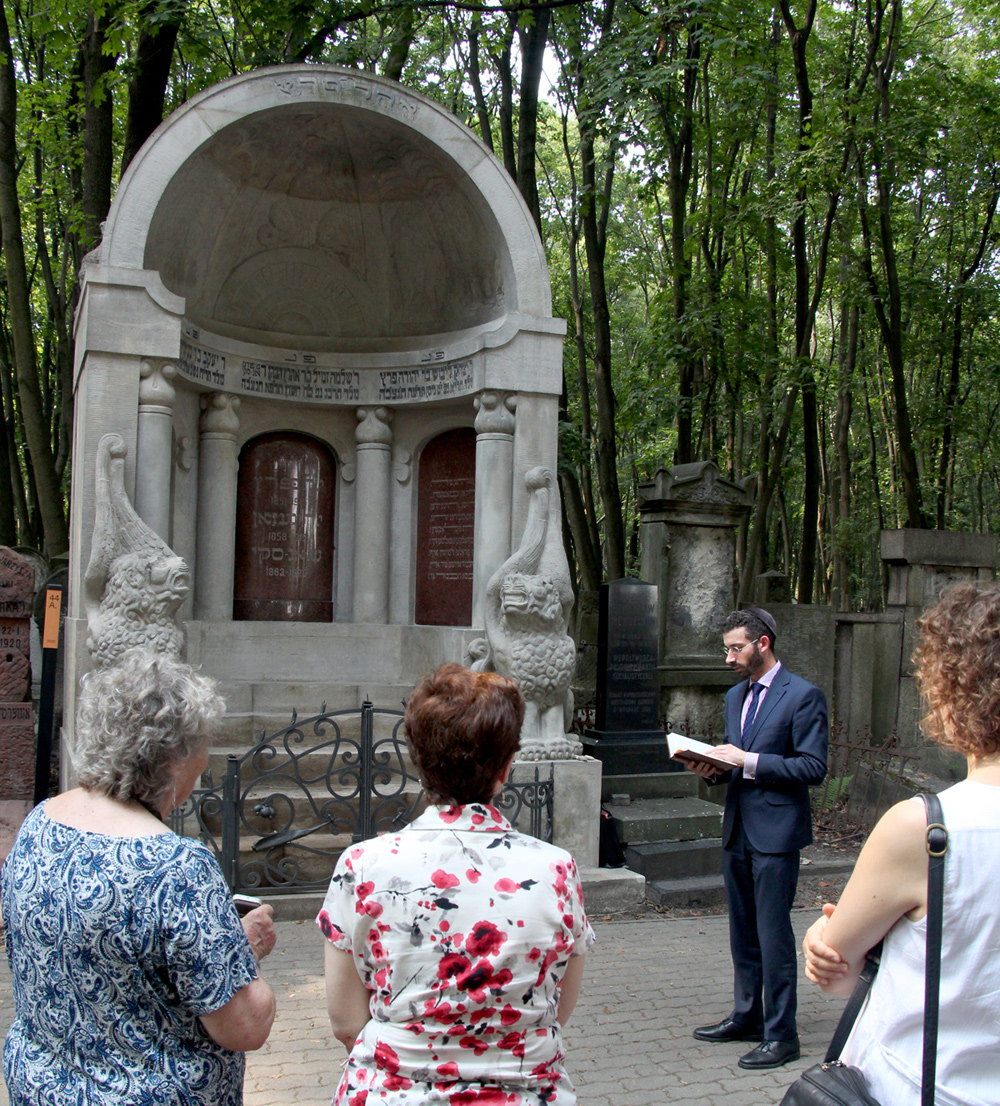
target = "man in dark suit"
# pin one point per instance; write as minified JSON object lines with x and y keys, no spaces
{"x":776,"y":731}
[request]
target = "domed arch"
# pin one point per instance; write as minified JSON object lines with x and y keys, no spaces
{"x":318,"y":208}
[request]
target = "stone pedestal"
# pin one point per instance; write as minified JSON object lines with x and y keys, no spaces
{"x":576,"y":808}
{"x":689,"y":517}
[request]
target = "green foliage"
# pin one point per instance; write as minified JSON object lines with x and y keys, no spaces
{"x":701,"y":294}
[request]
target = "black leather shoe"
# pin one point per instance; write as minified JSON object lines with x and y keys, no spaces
{"x":771,"y":1054}
{"x":729,"y":1030}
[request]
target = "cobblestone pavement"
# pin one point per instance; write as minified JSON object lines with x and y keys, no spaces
{"x":649,"y":981}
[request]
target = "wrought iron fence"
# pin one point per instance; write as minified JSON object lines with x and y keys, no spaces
{"x":286,"y":809}
{"x":863,"y":780}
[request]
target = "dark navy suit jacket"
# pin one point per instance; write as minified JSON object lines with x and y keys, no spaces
{"x":790,"y":732}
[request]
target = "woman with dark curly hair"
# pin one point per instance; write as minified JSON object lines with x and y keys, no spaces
{"x":455,"y":947}
{"x":958,"y":670}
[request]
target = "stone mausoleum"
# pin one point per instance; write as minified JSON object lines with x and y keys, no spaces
{"x":320,"y":322}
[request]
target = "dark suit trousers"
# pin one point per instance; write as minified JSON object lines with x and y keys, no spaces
{"x":761,"y":890}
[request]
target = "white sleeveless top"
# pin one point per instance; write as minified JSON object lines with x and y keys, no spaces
{"x":887,"y":1043}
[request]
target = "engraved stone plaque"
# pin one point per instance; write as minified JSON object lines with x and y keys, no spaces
{"x":284,"y":530}
{"x":17,"y":739}
{"x":445,"y":526}
{"x":17,"y":584}
{"x":628,"y":683}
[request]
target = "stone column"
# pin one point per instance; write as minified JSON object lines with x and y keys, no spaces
{"x":689,"y":516}
{"x":372,"y":514}
{"x":153,"y":445}
{"x":494,"y":492}
{"x":216,"y":543}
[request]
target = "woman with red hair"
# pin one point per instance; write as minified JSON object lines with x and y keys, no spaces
{"x":455,"y":948}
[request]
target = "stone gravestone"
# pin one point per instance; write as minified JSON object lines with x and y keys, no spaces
{"x":17,"y":730}
{"x":627,"y":737}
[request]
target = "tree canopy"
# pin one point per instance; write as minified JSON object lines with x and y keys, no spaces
{"x":771,"y":226}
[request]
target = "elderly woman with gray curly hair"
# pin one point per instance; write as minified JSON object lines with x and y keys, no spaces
{"x":134,"y":979}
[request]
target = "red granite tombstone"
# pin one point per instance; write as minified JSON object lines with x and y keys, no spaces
{"x":284,"y":530}
{"x":17,"y":728}
{"x":446,"y":511}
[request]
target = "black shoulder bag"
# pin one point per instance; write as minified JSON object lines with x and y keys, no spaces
{"x":833,"y":1083}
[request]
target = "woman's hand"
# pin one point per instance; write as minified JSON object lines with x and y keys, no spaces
{"x":824,"y":965}
{"x":258,"y":925}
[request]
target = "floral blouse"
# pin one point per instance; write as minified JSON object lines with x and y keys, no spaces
{"x":117,"y":945}
{"x":462,"y":929}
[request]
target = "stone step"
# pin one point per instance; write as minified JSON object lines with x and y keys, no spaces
{"x":707,"y":892}
{"x":606,"y":891}
{"x":658,"y":860}
{"x":651,"y":785}
{"x":681,"y":819}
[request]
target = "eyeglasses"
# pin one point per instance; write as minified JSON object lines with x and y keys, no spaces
{"x":737,"y":649}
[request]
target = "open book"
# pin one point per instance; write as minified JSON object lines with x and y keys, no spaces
{"x":691,"y":751}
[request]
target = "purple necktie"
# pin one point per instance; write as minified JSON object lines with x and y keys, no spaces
{"x":755,"y":690}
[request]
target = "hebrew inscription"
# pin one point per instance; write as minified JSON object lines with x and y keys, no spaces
{"x":300,"y":378}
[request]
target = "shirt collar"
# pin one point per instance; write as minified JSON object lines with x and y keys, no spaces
{"x":768,"y":678}
{"x":479,"y":817}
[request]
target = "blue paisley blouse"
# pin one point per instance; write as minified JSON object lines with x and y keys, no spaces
{"x":462,"y":929}
{"x":116,"y":946}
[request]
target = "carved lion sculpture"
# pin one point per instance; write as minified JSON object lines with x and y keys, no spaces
{"x":139,"y":607}
{"x":134,"y":583}
{"x":528,"y":600}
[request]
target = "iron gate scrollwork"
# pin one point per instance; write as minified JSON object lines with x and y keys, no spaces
{"x":287,"y":808}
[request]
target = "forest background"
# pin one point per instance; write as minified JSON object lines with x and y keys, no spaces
{"x":771,"y":227}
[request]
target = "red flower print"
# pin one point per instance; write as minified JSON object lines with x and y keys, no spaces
{"x":484,"y":939}
{"x":481,"y":979}
{"x":452,"y":965}
{"x":363,"y":890}
{"x":444,"y":879}
{"x":513,"y":1043}
{"x":397,"y":1083}
{"x":483,"y":1096}
{"x":472,"y":875}
{"x":358,"y":1099}
{"x":559,"y":869}
{"x":450,"y":814}
{"x":508,"y":1016}
{"x":478,"y":819}
{"x":330,"y":931}
{"x":477,"y":1044}
{"x":507,"y":886}
{"x":533,"y":955}
{"x":448,"y":1070}
{"x":386,"y":1057}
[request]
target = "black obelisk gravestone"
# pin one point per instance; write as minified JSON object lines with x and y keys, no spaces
{"x":628,"y":738}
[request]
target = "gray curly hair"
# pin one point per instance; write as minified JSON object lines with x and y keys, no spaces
{"x":139,"y":718}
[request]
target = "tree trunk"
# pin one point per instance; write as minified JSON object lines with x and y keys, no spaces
{"x":532,"y":38}
{"x":36,"y":428}
{"x":159,"y":22}
{"x":98,"y":147}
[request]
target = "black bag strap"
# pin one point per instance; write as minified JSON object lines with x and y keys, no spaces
{"x":937,"y":846}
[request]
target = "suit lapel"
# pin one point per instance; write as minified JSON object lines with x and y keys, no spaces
{"x":774,"y":694}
